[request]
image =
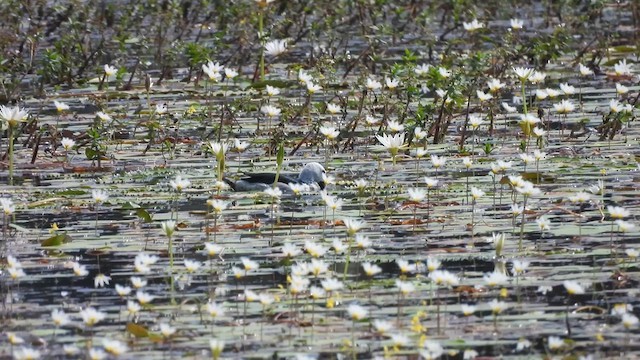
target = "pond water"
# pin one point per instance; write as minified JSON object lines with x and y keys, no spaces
{"x":564,"y":284}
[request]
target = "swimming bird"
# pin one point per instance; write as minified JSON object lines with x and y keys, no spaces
{"x":311,"y":174}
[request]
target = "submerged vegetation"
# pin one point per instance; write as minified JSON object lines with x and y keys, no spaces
{"x":480,"y":193}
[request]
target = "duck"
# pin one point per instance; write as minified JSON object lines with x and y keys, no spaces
{"x":311,"y":174}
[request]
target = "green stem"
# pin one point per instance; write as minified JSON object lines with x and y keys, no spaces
{"x":260,"y":28}
{"x":10,"y":154}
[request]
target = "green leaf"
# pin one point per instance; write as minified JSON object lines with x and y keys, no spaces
{"x":144,"y":215}
{"x":56,"y":240}
{"x":137,"y":330}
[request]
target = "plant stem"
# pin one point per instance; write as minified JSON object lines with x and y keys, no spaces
{"x":10,"y":154}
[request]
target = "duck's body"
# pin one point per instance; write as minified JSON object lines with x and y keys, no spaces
{"x":311,"y":174}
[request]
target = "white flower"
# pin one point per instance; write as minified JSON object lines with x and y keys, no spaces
{"x":24,"y":353}
{"x":392,"y":142}
{"x":621,"y":89}
{"x":275,"y":47}
{"x":573,"y":287}
{"x":632,"y":253}
{"x":99,"y":196}
{"x":273,"y":192}
{"x":585,"y":71}
{"x":101,"y":280}
{"x":516,"y":24}
{"x":91,"y":316}
{"x":217,"y":346}
{"x":382,"y":326}
{"x":555,"y":343}
{"x":617,"y":212}
{"x":331,"y":284}
{"x":143,"y":297}
{"x":356,"y":312}
{"x":541,"y":94}
{"x":67,"y":144}
{"x":405,"y":267}
{"x":133,"y":307}
{"x":290,"y":250}
{"x":353,"y":225}
{"x":433,"y":264}
{"x":431,"y":182}
{"x":467,"y":309}
{"x":473,"y":25}
{"x":272,"y":91}
{"x":475,"y":121}
{"x":217,"y":205}
{"x":467,"y":162}
{"x":622,"y":69}
{"x":313,"y":88}
{"x":304,"y":77}
{"x":392,"y":83}
{"x":213,"y":70}
{"x":543,"y":223}
{"x":395,"y":126}
{"x":114,"y":347}
{"x":212,"y":249}
{"x":482,"y":96}
{"x":60,"y":106}
{"x":103,"y":116}
{"x":138,"y":282}
{"x":523,"y":73}
{"x":567,"y":89}
{"x":494,"y":85}
{"x":122,"y":290}
{"x":522,"y":345}
{"x":338,"y":246}
{"x":539,"y":132}
{"x":161,"y":109}
{"x":168,"y":227}
{"x":438,"y":161}
{"x":564,"y":107}
{"x":443,"y":277}
{"x":416,"y":194}
{"x":109,"y":70}
{"x":8,"y":207}
{"x":444,"y":72}
{"x":419,"y":134}
{"x":537,"y":77}
{"x":333,"y":108}
{"x":422,"y":69}
{"x":97,"y":354}
{"x":230,"y":73}
{"x":270,"y":110}
{"x":80,"y":270}
{"x":13,"y":115}
{"x":552,"y":93}
{"x":495,"y":278}
{"x":191,"y":265}
{"x":624,"y":226}
{"x":362,"y":241}
{"x":508,"y":108}
{"x":371,"y":120}
{"x":214,"y":309}
{"x":629,"y":320}
{"x":249,"y":264}
{"x":178,"y":184}
{"x":497,"y":306}
{"x":373,"y":84}
{"x":520,"y":266}
{"x":240,"y":145}
{"x":317,"y":267}
{"x":432,"y":350}
{"x":405,"y":287}
{"x":314,"y":249}
{"x":59,"y":318}
{"x":329,"y":132}
{"x":167,"y":330}
{"x":371,"y":269}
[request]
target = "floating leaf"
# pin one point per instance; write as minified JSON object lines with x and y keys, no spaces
{"x":57,"y":240}
{"x":137,"y":330}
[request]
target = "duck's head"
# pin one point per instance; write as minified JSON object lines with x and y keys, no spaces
{"x":312,"y":173}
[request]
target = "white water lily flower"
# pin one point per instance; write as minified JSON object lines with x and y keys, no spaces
{"x":275,"y":47}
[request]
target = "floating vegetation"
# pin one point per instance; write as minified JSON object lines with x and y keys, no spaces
{"x":467,"y":180}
